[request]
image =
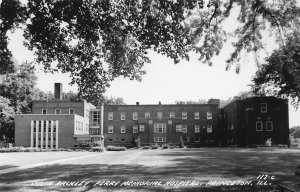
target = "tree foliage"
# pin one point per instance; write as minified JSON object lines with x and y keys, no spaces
{"x":280,"y":75}
{"x":97,"y":41}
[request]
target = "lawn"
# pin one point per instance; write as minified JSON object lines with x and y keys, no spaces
{"x":157,"y":170}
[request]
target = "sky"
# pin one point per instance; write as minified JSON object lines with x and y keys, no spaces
{"x":165,"y":81}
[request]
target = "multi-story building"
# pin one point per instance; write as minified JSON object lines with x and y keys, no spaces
{"x":61,"y":123}
{"x":254,"y":120}
{"x":54,"y":123}
{"x":160,"y":124}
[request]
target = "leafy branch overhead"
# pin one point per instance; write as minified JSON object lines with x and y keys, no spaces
{"x":97,"y":41}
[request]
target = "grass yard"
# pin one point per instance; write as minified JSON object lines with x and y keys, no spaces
{"x":153,"y":170}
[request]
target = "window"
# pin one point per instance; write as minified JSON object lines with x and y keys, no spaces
{"x":122,"y":140}
{"x":159,"y":114}
{"x":147,"y":114}
{"x":135,"y":129}
{"x":57,"y":111}
{"x":178,"y":128}
{"x":209,"y":128}
{"x":110,"y":129}
{"x":150,"y":122}
{"x":259,"y":126}
{"x":142,"y":128}
{"x":71,"y":111}
{"x":172,"y":114}
{"x":184,"y":128}
{"x":123,"y":116}
{"x":110,"y":140}
{"x":263,"y":107}
{"x":135,"y":115}
{"x":95,"y":118}
{"x":44,"y":111}
{"x":110,"y":116}
{"x":54,"y":126}
{"x":49,"y":126}
{"x":209,"y":115}
{"x":197,"y":139}
{"x":40,"y":125}
{"x":159,"y":139}
{"x":197,"y":129}
{"x":159,"y":127}
{"x":196,"y":114}
{"x":123,"y":128}
{"x":170,"y":122}
{"x":269,"y":126}
{"x":184,"y":115}
{"x":45,"y":124}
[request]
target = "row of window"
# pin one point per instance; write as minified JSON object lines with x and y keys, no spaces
{"x":269,"y":126}
{"x":49,"y":138}
{"x":159,"y":115}
{"x":161,"y":128}
{"x":155,"y":139}
{"x":80,"y":126}
{"x":37,"y":126}
{"x":58,"y":111}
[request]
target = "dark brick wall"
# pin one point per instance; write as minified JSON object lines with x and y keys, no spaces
{"x":243,"y":114}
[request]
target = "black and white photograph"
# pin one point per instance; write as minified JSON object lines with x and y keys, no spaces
{"x":150,"y":95}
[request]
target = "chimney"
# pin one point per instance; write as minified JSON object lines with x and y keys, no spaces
{"x":137,"y":103}
{"x":58,"y":91}
{"x":159,"y":103}
{"x":214,"y":101}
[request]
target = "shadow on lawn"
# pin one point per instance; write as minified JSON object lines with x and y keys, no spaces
{"x":190,"y":165}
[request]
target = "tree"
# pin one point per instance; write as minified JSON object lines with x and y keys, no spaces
{"x":18,"y":87}
{"x":97,"y":41}
{"x":6,"y":121}
{"x":280,"y":75}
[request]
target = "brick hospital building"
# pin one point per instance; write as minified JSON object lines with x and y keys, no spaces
{"x":60,"y":123}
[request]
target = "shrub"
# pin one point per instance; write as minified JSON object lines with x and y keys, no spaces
{"x":268,"y":143}
{"x":114,"y":148}
{"x":96,"y":149}
{"x":146,"y":147}
{"x":166,"y":146}
{"x":181,"y":142}
{"x":155,"y":146}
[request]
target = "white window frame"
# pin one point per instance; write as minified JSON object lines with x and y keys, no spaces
{"x":70,"y":110}
{"x":263,"y":108}
{"x":178,"y":128}
{"x":256,"y":125}
{"x":135,"y":129}
{"x":159,"y":114}
{"x":197,"y":115}
{"x":147,"y":115}
{"x":197,"y":128}
{"x":123,"y":116}
{"x":172,"y":114}
{"x":209,"y":115}
{"x":184,"y":128}
{"x":59,"y":111}
{"x":270,"y":124}
{"x":110,"y":116}
{"x":209,"y":127}
{"x":160,"y":128}
{"x":123,"y":129}
{"x":96,"y":115}
{"x":43,"y":111}
{"x":160,"y":139}
{"x":142,"y":128}
{"x":135,"y":115}
{"x":184,"y":115}
{"x":110,"y":129}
